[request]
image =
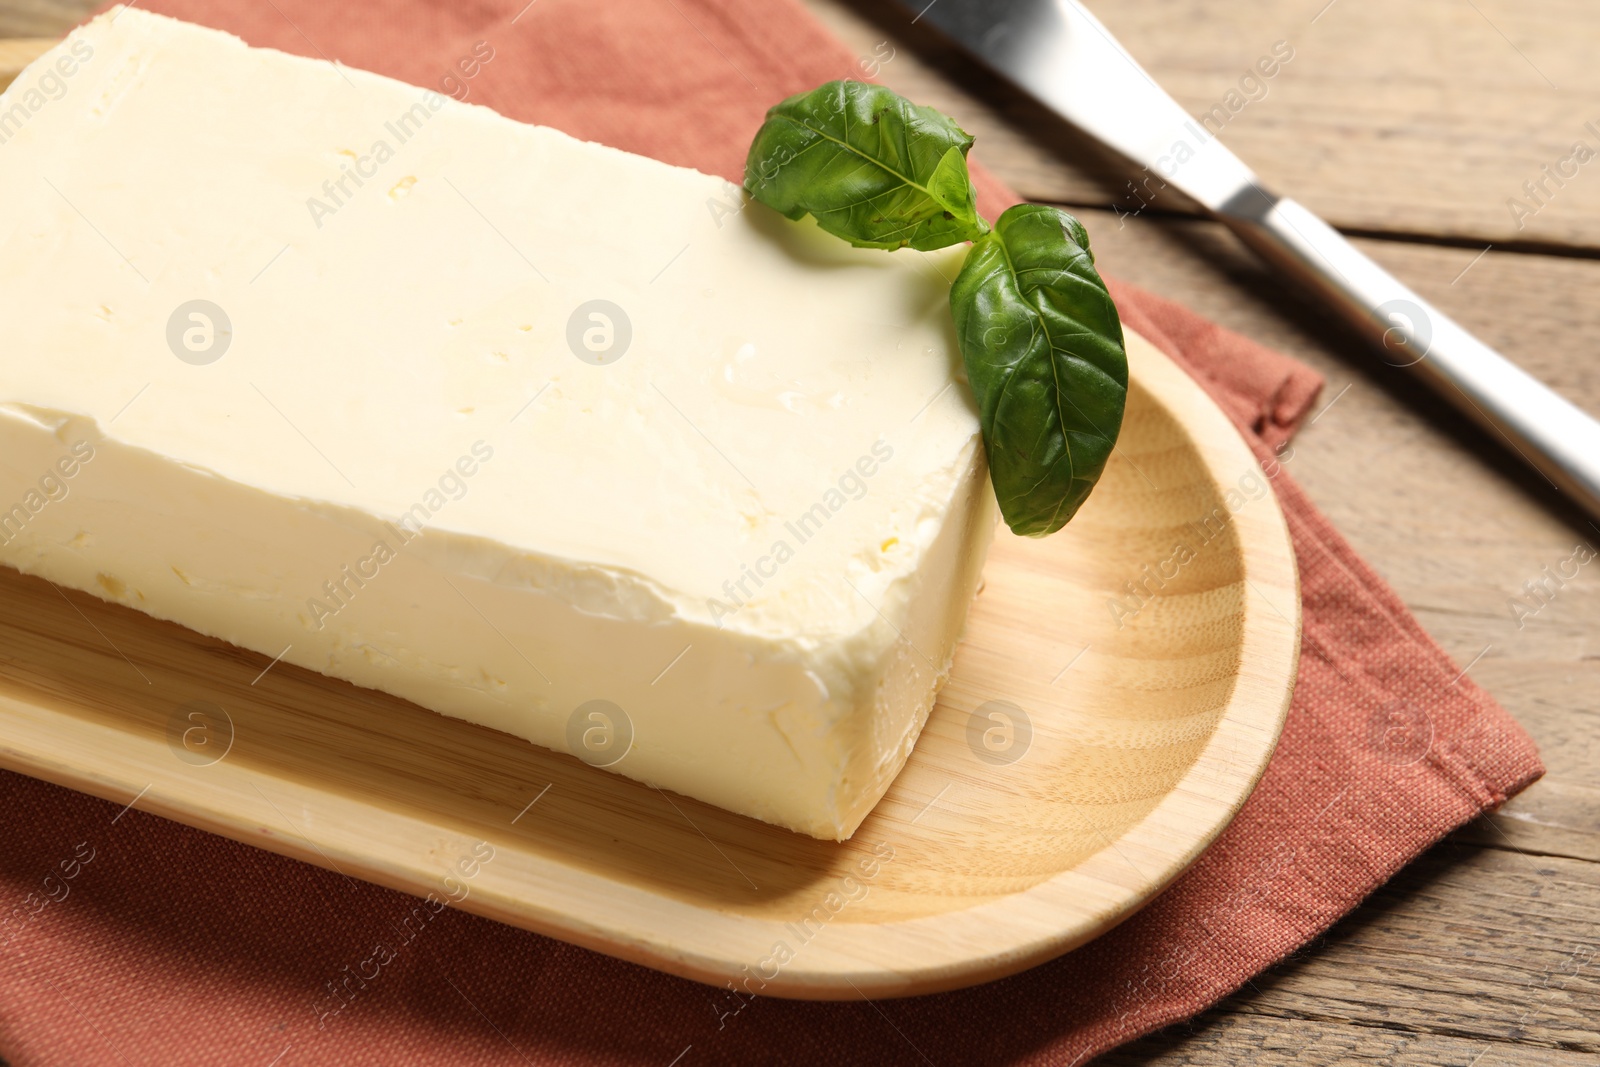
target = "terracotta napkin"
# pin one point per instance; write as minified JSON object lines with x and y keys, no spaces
{"x":178,"y":947}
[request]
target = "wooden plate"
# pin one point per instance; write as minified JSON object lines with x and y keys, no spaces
{"x":1080,"y":757}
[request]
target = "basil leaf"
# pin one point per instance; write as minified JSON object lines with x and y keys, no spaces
{"x":1043,"y":350}
{"x":871,"y":166}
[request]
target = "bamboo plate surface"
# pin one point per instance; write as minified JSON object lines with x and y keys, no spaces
{"x":1078,"y":760}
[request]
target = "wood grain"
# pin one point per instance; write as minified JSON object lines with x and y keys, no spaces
{"x":1421,"y":997}
{"x":42,"y":18}
{"x":1411,"y":118}
{"x":1148,"y":733}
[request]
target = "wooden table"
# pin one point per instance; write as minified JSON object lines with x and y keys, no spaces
{"x":1409,"y":124}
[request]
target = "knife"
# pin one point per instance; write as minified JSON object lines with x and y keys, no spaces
{"x":1062,"y":55}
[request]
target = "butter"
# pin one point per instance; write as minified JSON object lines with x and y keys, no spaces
{"x":530,"y":431}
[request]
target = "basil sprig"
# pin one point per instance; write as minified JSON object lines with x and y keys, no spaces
{"x":1043,"y":349}
{"x":870,"y":165}
{"x":1038,"y":332}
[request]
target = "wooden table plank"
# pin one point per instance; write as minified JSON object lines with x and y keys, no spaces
{"x":1559,"y":818}
{"x":41,"y":18}
{"x":1475,"y":953}
{"x":1229,"y":1039}
{"x":1409,"y":117}
{"x":1480,"y":943}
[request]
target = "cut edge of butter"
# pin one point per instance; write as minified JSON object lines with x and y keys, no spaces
{"x":799,"y":708}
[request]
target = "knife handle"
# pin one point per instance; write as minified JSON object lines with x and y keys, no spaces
{"x":1550,"y":433}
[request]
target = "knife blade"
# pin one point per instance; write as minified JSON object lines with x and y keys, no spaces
{"x":1061,"y":54}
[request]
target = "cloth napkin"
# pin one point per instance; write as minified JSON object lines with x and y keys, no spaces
{"x":178,"y":947}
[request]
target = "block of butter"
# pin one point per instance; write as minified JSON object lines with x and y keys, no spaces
{"x":530,"y":431}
